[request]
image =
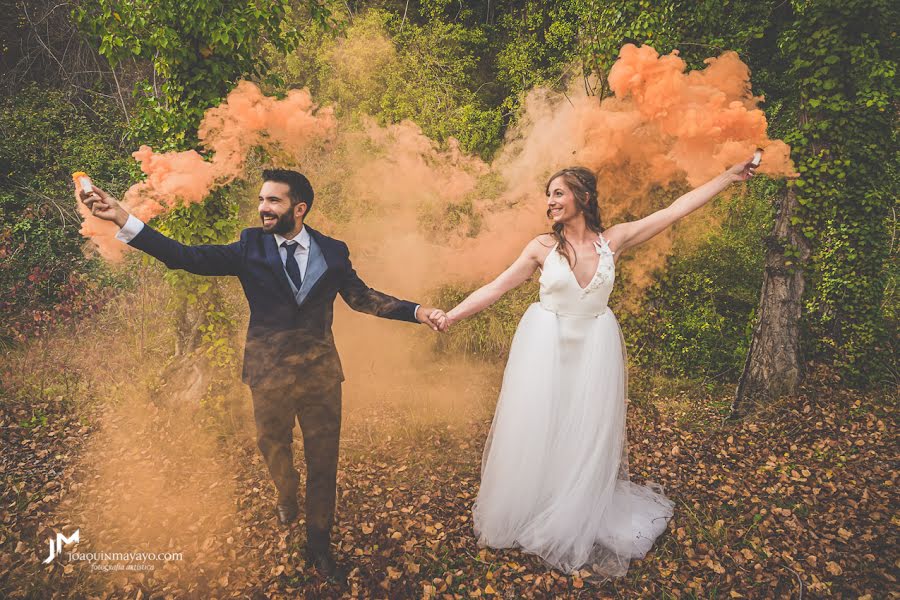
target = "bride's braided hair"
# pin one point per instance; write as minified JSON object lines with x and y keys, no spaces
{"x":583,"y":184}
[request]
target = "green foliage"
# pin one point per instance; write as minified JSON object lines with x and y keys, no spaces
{"x":844,"y":70}
{"x":44,"y":277}
{"x":218,"y":214}
{"x":489,"y":333}
{"x":539,"y":40}
{"x":424,"y":73}
{"x":697,"y":317}
{"x":198,"y":51}
{"x":433,"y":85}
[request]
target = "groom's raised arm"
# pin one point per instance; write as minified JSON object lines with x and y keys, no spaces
{"x":203,"y":259}
{"x":360,"y":297}
{"x":206,"y":259}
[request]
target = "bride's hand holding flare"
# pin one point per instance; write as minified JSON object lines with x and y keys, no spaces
{"x":630,"y":234}
{"x":743,"y":171}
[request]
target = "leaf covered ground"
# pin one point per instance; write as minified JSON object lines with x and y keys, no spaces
{"x":797,"y":499}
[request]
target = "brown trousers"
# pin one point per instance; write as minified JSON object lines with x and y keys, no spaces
{"x":319,"y":414}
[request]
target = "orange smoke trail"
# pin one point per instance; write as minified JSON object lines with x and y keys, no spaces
{"x":101,"y":232}
{"x":245,"y":120}
{"x":662,"y":125}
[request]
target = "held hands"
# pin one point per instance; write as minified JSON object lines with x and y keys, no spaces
{"x":104,"y":206}
{"x":444,"y":320}
{"x":434,"y":318}
{"x":428,"y":315}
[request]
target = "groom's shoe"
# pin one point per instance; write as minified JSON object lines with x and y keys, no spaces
{"x":325,"y":564}
{"x":318,"y":555}
{"x":286,"y":511}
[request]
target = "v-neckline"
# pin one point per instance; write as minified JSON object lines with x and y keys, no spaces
{"x":593,"y":277}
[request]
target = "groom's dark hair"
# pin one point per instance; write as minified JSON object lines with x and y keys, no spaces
{"x":299,"y":188}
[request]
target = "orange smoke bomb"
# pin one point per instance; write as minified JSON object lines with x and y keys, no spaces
{"x":101,"y":232}
{"x":757,"y":157}
{"x":82,"y":180}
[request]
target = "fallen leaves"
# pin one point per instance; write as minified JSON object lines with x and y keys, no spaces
{"x":800,"y":495}
{"x":833,"y":568}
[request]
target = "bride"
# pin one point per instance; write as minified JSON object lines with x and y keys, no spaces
{"x":554,"y":473}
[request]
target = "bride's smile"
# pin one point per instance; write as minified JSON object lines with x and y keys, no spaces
{"x":560,"y":202}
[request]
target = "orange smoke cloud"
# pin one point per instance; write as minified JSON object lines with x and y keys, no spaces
{"x":245,"y":120}
{"x":248,"y":119}
{"x":173,"y":177}
{"x":663,"y":125}
{"x":701,"y":121}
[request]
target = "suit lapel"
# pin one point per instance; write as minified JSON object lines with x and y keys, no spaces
{"x":315,"y":268}
{"x":319,"y":261}
{"x":273,"y":259}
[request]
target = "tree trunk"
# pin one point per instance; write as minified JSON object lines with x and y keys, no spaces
{"x":773,"y":365}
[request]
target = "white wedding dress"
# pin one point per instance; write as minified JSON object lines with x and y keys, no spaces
{"x":554,"y":474}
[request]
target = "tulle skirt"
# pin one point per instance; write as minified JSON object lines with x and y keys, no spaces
{"x":554,"y":473}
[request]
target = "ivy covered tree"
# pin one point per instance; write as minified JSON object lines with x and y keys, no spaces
{"x":845,"y":67}
{"x":827,"y":70}
{"x":833,"y":227}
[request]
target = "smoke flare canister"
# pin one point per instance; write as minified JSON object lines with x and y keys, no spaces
{"x":82,"y":180}
{"x":757,"y":157}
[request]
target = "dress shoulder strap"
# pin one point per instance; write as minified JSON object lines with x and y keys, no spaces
{"x":547,"y":256}
{"x":605,"y":243}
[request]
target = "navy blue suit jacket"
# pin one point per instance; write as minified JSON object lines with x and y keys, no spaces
{"x":287,"y":343}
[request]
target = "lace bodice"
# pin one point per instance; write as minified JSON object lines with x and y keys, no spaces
{"x":561,"y":293}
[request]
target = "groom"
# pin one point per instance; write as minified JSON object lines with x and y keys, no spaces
{"x":291,"y":274}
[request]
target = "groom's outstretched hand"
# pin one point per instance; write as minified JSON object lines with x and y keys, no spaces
{"x":104,"y":206}
{"x":430,"y":316}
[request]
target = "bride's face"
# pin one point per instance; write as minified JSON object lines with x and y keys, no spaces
{"x":561,"y":202}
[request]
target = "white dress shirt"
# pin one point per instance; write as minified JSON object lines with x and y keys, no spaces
{"x":301,"y":254}
{"x":134,"y":225}
{"x":130,"y":229}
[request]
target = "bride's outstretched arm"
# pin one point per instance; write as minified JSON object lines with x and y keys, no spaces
{"x":627,"y":235}
{"x":515,"y":275}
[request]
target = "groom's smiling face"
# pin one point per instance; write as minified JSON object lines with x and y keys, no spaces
{"x":276,"y":211}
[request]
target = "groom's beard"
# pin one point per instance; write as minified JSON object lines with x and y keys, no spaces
{"x":282,"y":225}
